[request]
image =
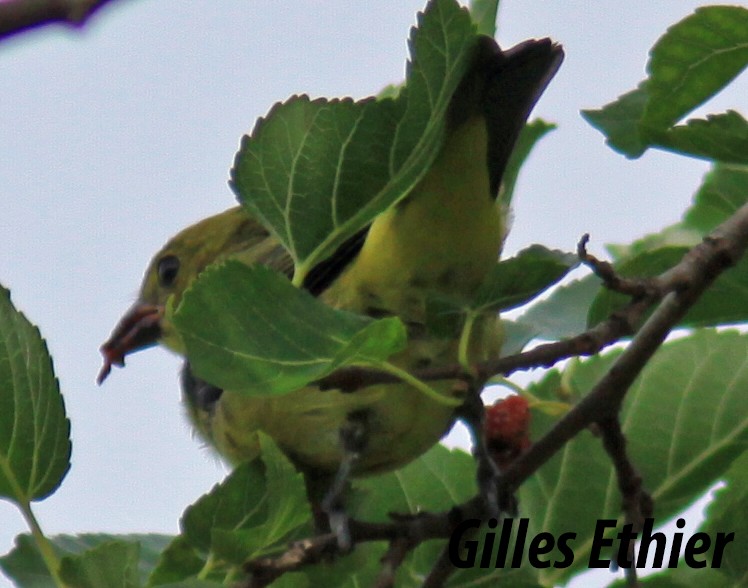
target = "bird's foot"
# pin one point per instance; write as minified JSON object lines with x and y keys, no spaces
{"x":354,"y":438}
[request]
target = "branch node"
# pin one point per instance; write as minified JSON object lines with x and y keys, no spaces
{"x":636,"y":287}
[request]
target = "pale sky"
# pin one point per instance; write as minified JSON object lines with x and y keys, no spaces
{"x":115,"y":137}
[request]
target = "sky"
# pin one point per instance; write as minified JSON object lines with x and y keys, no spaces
{"x":116,"y":136}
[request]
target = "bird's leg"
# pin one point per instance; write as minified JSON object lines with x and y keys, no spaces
{"x":317,"y":485}
{"x":472,"y":414}
{"x":354,"y":436}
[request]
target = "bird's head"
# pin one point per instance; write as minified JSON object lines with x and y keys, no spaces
{"x":230,"y":234}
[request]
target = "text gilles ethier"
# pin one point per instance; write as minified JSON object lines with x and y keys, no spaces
{"x":494,"y":548}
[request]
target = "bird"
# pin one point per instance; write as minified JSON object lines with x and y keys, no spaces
{"x":441,"y":239}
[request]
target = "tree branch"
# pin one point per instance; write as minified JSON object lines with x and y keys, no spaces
{"x":637,"y":503}
{"x":681,"y":287}
{"x":590,"y":342}
{"x":684,"y":283}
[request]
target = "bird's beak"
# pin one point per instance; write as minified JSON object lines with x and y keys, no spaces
{"x":140,"y":328}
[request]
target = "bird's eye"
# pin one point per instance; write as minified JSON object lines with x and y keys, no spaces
{"x":168,"y":268}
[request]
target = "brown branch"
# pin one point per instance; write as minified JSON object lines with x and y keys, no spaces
{"x":17,"y":16}
{"x":634,"y":287}
{"x":590,"y":342}
{"x":637,"y":503}
{"x":412,"y":529}
{"x":685,"y":283}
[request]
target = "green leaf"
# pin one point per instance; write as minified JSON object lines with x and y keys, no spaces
{"x":34,"y":431}
{"x":255,"y":509}
{"x":685,"y":419}
{"x":25,"y":566}
{"x":515,"y":281}
{"x":180,"y":560}
{"x":484,"y":15}
{"x":676,"y":235}
{"x":239,"y":500}
{"x":694,"y":60}
{"x":287,"y":511}
{"x":512,"y":283}
{"x":721,"y":137}
{"x":723,"y":192}
{"x":516,"y":336}
{"x":109,"y":565}
{"x":564,"y":312}
{"x":728,"y":513}
{"x":437,"y":480}
{"x":528,"y":138}
{"x":620,"y":122}
{"x":316,"y":172}
{"x":247,"y":329}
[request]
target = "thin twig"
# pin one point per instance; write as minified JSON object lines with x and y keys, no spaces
{"x":620,"y":324}
{"x":634,"y":287}
{"x":637,"y":503}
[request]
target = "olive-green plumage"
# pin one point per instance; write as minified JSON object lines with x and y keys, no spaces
{"x":442,"y":239}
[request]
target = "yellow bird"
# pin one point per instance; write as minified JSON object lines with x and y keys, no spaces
{"x":442,"y":239}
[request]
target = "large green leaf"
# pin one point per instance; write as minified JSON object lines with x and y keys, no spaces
{"x":287,"y":512}
{"x":248,"y":329}
{"x":685,"y":419}
{"x":694,"y":60}
{"x":437,"y":480}
{"x":253,"y":510}
{"x":259,"y":507}
{"x":316,"y":172}
{"x":34,"y":431}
